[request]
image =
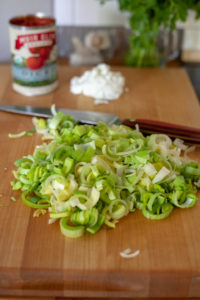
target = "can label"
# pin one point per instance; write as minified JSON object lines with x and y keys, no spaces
{"x":34,"y":56}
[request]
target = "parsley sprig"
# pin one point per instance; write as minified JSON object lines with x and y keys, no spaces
{"x":147,"y":17}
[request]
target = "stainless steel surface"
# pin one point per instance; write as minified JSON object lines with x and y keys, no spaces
{"x":193,"y":71}
{"x":89,"y":117}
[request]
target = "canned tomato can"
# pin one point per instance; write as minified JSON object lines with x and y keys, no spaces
{"x":34,"y":54}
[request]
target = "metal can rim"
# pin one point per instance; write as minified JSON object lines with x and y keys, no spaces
{"x":39,"y":15}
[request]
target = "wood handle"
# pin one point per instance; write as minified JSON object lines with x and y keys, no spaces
{"x":188,"y":134}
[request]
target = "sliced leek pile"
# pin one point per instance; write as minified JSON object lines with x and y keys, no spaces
{"x":86,"y":176}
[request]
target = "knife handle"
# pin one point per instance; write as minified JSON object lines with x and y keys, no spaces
{"x":188,"y":134}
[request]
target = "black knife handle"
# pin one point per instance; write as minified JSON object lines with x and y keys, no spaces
{"x":188,"y":134}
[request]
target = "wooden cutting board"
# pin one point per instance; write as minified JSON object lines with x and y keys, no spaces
{"x":36,"y":260}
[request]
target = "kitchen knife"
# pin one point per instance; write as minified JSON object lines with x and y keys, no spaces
{"x":188,"y":134}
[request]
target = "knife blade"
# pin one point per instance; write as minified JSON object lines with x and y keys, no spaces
{"x":188,"y":134}
{"x":89,"y":117}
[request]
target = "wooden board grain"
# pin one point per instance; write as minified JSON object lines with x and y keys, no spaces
{"x":36,"y":260}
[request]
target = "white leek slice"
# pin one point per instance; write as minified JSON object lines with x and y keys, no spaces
{"x":91,"y":199}
{"x":161,"y":175}
{"x":127,"y":253}
{"x":85,"y":146}
{"x":53,"y":109}
{"x":100,"y":162}
{"x":16,"y":135}
{"x":149,"y":169}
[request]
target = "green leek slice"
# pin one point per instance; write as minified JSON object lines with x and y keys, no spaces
{"x":71,"y":231}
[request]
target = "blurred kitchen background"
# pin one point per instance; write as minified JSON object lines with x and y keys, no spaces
{"x":89,"y":33}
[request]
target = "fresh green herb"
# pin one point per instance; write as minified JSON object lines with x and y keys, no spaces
{"x":146,"y":19}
